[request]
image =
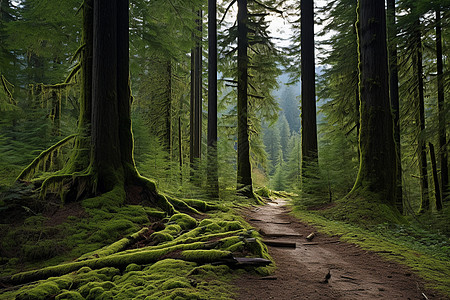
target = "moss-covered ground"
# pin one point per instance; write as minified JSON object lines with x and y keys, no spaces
{"x":117,"y":250}
{"x":414,"y":243}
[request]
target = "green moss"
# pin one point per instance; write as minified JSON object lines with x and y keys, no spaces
{"x":239,"y":246}
{"x":202,"y":206}
{"x":174,"y":283}
{"x":172,"y":229}
{"x":205,"y":256}
{"x":38,"y":292}
{"x":69,"y":295}
{"x":63,"y":282}
{"x":230,"y":225}
{"x":264,"y":192}
{"x":132,"y":267}
{"x":161,"y":237}
{"x":185,"y":221}
{"x":95,"y":293}
{"x":111,"y":199}
{"x":363,"y":210}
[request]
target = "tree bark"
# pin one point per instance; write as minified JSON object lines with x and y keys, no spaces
{"x":213,"y":180}
{"x":443,"y":154}
{"x":244,"y":172}
{"x":308,"y":111}
{"x":422,"y":150}
{"x":377,"y":171}
{"x":106,"y":156}
{"x":196,"y":95}
{"x":393,"y":92}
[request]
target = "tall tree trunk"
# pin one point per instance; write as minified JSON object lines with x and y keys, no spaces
{"x":196,"y":95}
{"x":106,"y":156}
{"x":377,"y":170}
{"x":112,"y":143}
{"x":213,"y":180}
{"x":244,"y":170}
{"x":393,"y":91}
{"x":422,"y":150}
{"x":443,"y":154}
{"x":309,"y":125}
{"x":167,"y":139}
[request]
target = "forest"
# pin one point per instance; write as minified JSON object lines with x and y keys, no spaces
{"x":236,"y":149}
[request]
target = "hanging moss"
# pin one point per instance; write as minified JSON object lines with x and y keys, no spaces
{"x":5,"y":84}
{"x":29,"y":171}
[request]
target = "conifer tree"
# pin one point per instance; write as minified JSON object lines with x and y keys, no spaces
{"x":212,"y":100}
{"x":309,"y":124}
{"x":394,"y":94}
{"x":244,"y":173}
{"x":377,"y":171}
{"x":441,"y":109}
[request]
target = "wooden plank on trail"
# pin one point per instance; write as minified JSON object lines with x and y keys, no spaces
{"x":282,"y":235}
{"x":279,"y":243}
{"x":243,"y":262}
{"x":251,"y":261}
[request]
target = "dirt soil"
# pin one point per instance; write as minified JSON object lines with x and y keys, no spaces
{"x":301,"y":271}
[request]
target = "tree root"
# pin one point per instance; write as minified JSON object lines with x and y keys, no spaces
{"x":208,"y":255}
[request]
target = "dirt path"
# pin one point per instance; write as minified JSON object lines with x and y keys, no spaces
{"x":301,"y":271}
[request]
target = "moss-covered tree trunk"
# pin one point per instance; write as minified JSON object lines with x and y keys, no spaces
{"x":196,"y":95}
{"x":443,"y":154}
{"x":393,"y":92}
{"x":308,"y":115}
{"x":377,"y":170}
{"x":420,"y":116}
{"x":81,"y":155}
{"x":213,"y":180}
{"x":244,"y":169}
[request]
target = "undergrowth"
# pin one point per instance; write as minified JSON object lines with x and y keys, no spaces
{"x":82,"y":234}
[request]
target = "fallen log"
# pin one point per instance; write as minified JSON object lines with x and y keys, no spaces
{"x":279,"y":243}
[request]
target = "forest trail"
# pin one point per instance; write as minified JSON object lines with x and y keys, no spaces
{"x":301,"y":271}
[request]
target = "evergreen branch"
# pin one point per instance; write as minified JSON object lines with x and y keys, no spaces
{"x":226,"y":11}
{"x":30,"y":168}
{"x":229,"y":80}
{"x":178,"y":13}
{"x":256,"y":96}
{"x":268,"y":7}
{"x":73,"y":73}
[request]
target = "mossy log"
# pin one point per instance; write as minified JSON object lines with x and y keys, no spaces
{"x":123,"y":260}
{"x":116,"y":246}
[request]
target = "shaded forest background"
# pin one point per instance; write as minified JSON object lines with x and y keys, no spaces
{"x":40,"y":89}
{"x":347,"y":144}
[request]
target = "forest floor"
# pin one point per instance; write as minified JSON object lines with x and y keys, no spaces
{"x":301,"y":271}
